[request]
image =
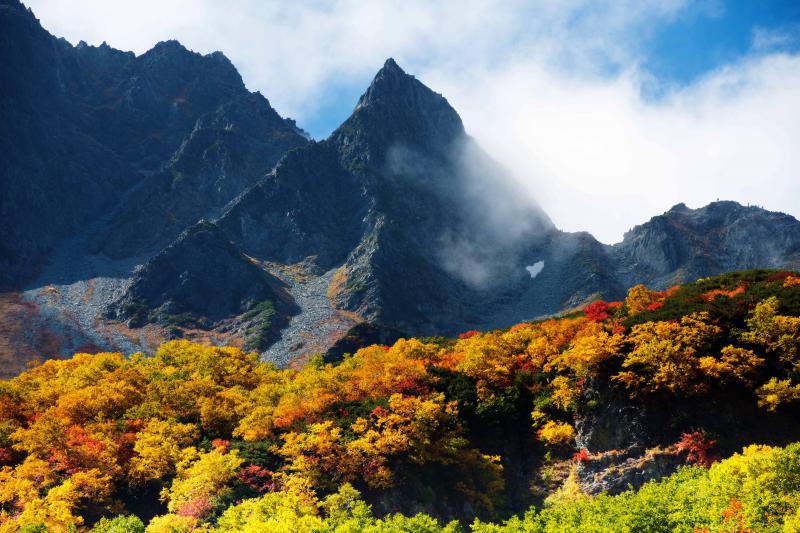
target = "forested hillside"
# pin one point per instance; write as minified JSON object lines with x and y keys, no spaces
{"x":494,"y":426}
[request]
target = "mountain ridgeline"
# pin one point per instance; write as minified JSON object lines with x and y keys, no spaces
{"x":156,"y":191}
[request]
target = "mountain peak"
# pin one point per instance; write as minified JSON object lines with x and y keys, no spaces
{"x":391,"y":66}
{"x":14,"y":9}
{"x":170,"y":46}
{"x":398,"y":108}
{"x":16,"y":5}
{"x":390,"y":85}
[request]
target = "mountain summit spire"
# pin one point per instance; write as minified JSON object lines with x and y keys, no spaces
{"x":398,"y":108}
{"x":391,"y":65}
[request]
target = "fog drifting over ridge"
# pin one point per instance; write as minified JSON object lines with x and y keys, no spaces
{"x":599,"y":157}
{"x":553,"y":91}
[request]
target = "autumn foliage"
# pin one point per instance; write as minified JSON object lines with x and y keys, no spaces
{"x":697,"y":448}
{"x":192,"y":433}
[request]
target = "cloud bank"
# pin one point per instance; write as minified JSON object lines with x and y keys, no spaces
{"x":554,"y":90}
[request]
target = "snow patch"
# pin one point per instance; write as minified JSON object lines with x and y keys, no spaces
{"x":535,"y":268}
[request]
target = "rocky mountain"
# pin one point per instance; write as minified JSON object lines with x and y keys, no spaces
{"x":397,"y":223}
{"x":174,"y":290}
{"x":684,"y":244}
{"x":382,"y":201}
{"x":84,"y":126}
{"x":225,"y":152}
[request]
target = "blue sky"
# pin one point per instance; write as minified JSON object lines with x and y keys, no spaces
{"x":704,"y":37}
{"x":606,"y":111}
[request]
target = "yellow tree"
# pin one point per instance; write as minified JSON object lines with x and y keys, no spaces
{"x":776,"y":333}
{"x":158,"y":448}
{"x":639,"y":298}
{"x":666,"y":355}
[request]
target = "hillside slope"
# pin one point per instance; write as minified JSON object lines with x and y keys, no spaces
{"x":481,"y":426}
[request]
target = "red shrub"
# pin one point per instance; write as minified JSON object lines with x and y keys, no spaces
{"x":733,"y":515}
{"x":779,"y":275}
{"x":711,"y":295}
{"x":379,"y":412}
{"x":581,"y":456}
{"x":655,"y":306}
{"x":671,"y":291}
{"x":408,"y":385}
{"x":697,"y":447}
{"x":125,"y":443}
{"x":617,"y":328}
{"x":257,"y":478}
{"x":467,"y":334}
{"x":196,"y":508}
{"x":220,"y":444}
{"x":597,"y":310}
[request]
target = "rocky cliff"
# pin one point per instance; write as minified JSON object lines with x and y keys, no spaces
{"x":397,"y":222}
{"x":684,"y":244}
{"x":83,"y":127}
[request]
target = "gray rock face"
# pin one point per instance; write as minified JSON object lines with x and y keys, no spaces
{"x":685,"y":244}
{"x":200,"y":279}
{"x":227,"y":152}
{"x":613,"y":430}
{"x":617,"y":471}
{"x":54,"y":174}
{"x":613,"y":422}
{"x":83,"y":126}
{"x":385,"y":197}
{"x":309,"y":206}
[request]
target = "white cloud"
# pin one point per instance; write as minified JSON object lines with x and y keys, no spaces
{"x":532,"y":83}
{"x":774,"y":39}
{"x":601,"y":158}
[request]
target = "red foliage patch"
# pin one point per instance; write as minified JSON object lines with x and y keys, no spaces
{"x":409,"y":385}
{"x":697,"y":447}
{"x":671,"y":291}
{"x":468,"y":334}
{"x":134,"y":425}
{"x":196,"y":508}
{"x":711,"y":295}
{"x":581,"y":456}
{"x":6,"y":456}
{"x":77,"y":437}
{"x":379,"y":412}
{"x":732,"y":515}
{"x":777,"y":276}
{"x":221,"y":445}
{"x":257,"y":478}
{"x":655,"y":306}
{"x":596,"y":311}
{"x":125,"y":443}
{"x":617,"y":328}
